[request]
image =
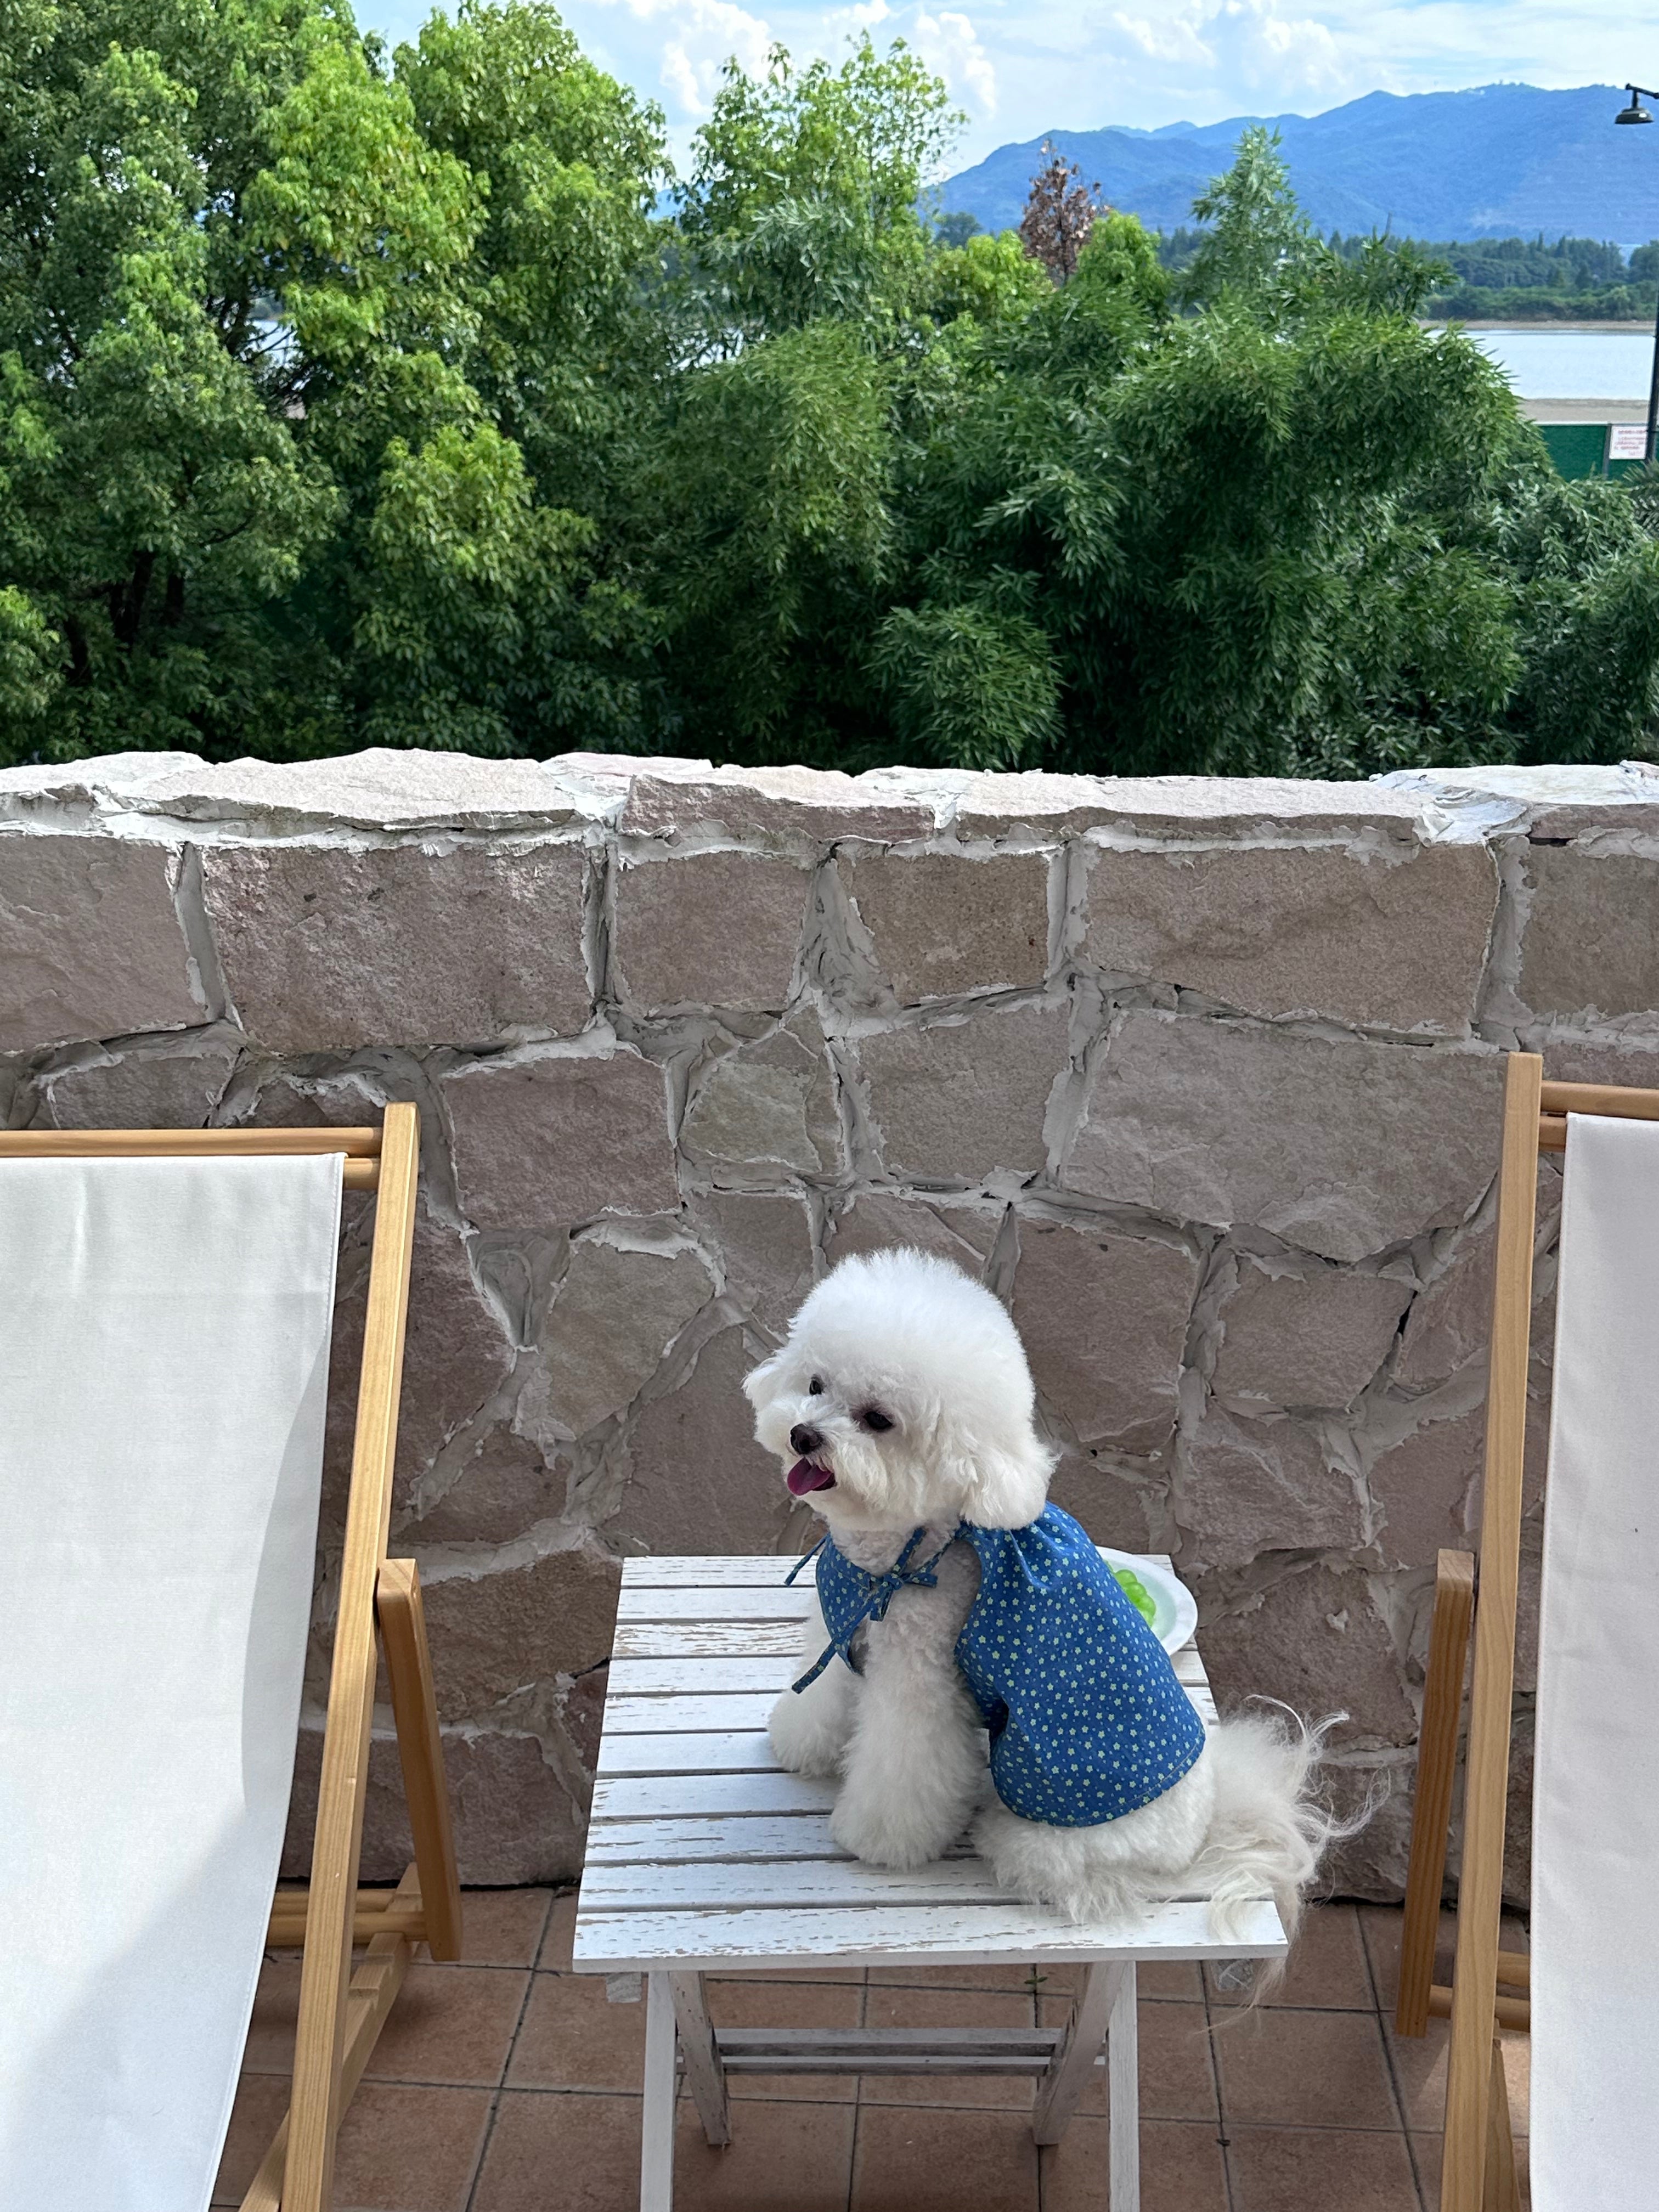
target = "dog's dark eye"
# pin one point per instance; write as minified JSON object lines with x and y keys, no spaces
{"x":815,"y":1388}
{"x":873,"y":1418}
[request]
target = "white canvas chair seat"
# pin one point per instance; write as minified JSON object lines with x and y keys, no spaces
{"x":1594,"y":2128}
{"x":1592,"y":2010}
{"x":165,"y":1318}
{"x":164,"y":1333}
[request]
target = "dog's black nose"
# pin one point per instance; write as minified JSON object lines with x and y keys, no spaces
{"x":804,"y":1440}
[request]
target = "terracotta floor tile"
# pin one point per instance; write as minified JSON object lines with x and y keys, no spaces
{"x":1318,"y":2169}
{"x":1419,"y":2069}
{"x":554,"y":1953}
{"x":1178,"y":2080}
{"x":450,"y":2024}
{"x":911,"y":2160}
{"x":788,"y":2004}
{"x":1172,"y":1981}
{"x":781,"y":2158}
{"x":1305,"y":2070}
{"x":1381,"y":1926}
{"x":938,"y":2007}
{"x":503,"y":1927}
{"x":572,"y":2038}
{"x":1181,"y":2168}
{"x":550,"y":2153}
{"x":405,"y":2147}
{"x":261,"y":2100}
{"x":1327,"y":1966}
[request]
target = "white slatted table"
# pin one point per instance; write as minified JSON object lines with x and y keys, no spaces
{"x":704,"y":1856}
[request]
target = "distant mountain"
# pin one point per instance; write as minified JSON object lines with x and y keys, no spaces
{"x":1502,"y":160}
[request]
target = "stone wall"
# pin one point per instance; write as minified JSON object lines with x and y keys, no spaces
{"x":1202,"y":1077}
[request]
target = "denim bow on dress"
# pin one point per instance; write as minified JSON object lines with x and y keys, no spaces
{"x":871,"y":1600}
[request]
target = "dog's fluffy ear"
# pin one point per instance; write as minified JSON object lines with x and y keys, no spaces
{"x":1006,"y":1489}
{"x":758,"y":1383}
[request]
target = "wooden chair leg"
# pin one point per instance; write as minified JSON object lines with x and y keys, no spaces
{"x":420,"y":1751}
{"x":1073,"y":2065}
{"x":1123,"y":2091}
{"x":705,"y":2077}
{"x":1501,"y":2192}
{"x":1436,"y":1765}
{"x":657,"y":2119}
{"x":373,"y":1988}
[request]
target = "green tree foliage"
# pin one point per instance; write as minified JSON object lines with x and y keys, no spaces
{"x":349,"y":397}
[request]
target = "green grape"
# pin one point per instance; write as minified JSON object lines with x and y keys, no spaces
{"x":1138,"y":1594}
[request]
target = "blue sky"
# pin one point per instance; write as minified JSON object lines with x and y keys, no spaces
{"x":1021,"y":67}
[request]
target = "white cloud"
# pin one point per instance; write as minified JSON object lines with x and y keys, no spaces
{"x":949,"y":44}
{"x":1024,"y":67}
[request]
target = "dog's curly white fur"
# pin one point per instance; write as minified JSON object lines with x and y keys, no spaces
{"x":902,"y":1399}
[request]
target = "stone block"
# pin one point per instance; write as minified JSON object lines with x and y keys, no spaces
{"x":1246,"y":1487}
{"x":1372,"y":1863}
{"x":993,"y":804}
{"x":504,"y":1489}
{"x":561,"y":1137}
{"x":455,"y":1352}
{"x":717,"y":929}
{"x":697,"y":1480}
{"x":1304,"y":1341}
{"x":822,"y":806}
{"x":1104,"y":1317}
{"x":1426,"y":1486}
{"x":1448,"y":1324}
{"x":1316,"y":1639}
{"x":954,"y":1102}
{"x":1592,"y":936}
{"x":325,"y":948}
{"x":514,"y":1821}
{"x":175,"y":1088}
{"x":876,"y":1221}
{"x":1343,"y":1147}
{"x":767,"y":1105}
{"x":612,"y":1317}
{"x":1390,"y":937}
{"x":942,"y":924}
{"x":496,"y":1630}
{"x":766,"y":1247}
{"x":1110,"y":1505}
{"x":90,"y":943}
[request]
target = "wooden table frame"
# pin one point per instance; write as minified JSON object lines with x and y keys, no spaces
{"x":341,"y":2014}
{"x":1489,"y":1987}
{"x":703,"y":1857}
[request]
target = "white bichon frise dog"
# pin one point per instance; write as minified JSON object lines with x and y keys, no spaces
{"x":953,"y":1598}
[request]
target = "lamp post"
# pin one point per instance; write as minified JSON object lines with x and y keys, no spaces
{"x":1635,"y":112}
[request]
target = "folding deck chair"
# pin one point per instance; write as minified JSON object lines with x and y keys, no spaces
{"x":1595,"y":2121}
{"x":165,"y":1302}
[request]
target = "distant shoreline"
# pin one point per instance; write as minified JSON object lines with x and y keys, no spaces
{"x":1638,"y":328}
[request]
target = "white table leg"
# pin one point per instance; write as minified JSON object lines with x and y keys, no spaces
{"x":657,"y":2128}
{"x":1123,"y":2089}
{"x":1074,"y":2062}
{"x":705,"y":2077}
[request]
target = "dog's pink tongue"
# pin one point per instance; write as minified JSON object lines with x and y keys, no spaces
{"x":804,"y":1477}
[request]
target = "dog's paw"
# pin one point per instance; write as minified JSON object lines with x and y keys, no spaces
{"x":884,"y":1834}
{"x":804,"y":1737}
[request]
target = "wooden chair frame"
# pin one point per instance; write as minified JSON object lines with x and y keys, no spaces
{"x":341,"y":2014}
{"x":1488,"y":1985}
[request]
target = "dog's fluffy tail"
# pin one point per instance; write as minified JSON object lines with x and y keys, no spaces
{"x":1270,"y":1827}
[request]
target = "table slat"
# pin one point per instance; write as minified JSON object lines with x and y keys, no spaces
{"x":708,"y":1639}
{"x":964,"y":1934}
{"x":640,"y":1796}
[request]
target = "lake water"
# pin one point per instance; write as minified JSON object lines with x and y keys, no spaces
{"x":1572,"y":364}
